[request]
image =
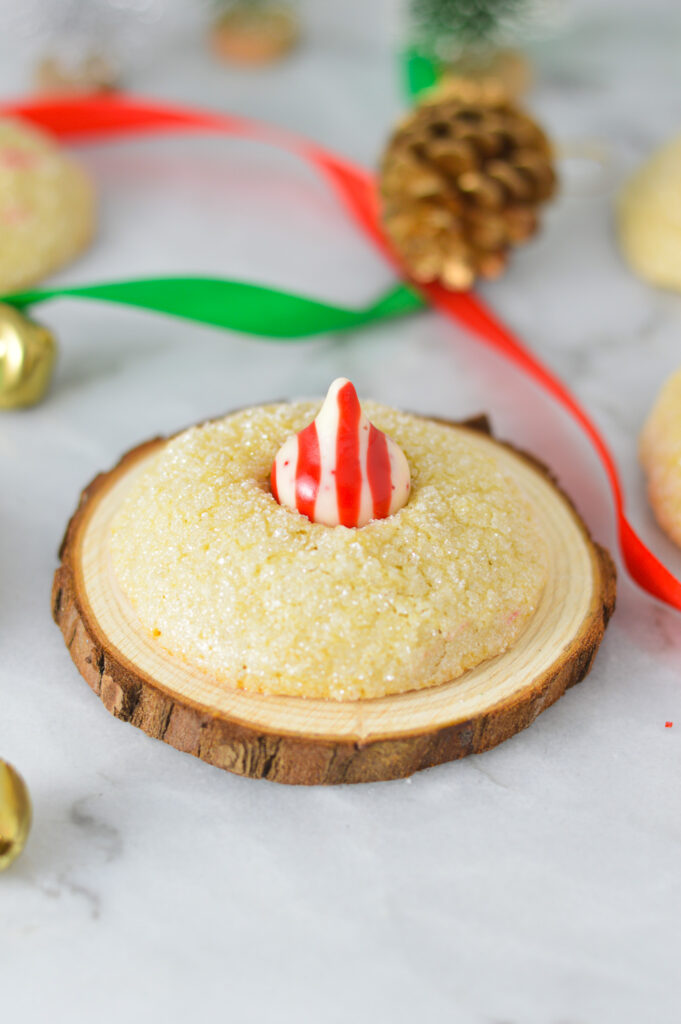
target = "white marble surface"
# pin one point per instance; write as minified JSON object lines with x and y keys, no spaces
{"x":536,"y":884}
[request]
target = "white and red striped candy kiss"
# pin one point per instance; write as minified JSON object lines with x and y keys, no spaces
{"x":341,"y":470}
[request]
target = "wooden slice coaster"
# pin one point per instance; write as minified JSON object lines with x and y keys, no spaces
{"x":293,"y":740}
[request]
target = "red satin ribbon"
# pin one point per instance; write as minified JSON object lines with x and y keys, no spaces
{"x":95,"y":117}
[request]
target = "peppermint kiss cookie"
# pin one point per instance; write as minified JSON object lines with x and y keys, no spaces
{"x":289,"y":601}
{"x":330,"y":592}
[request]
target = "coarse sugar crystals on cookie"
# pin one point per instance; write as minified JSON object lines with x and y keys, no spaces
{"x":266,"y":600}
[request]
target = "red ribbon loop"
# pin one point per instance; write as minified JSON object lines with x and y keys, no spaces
{"x":92,"y":118}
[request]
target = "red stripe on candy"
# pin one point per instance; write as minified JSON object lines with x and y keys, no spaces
{"x":378,"y":473}
{"x":273,"y":481}
{"x":308,"y":470}
{"x":348,"y":469}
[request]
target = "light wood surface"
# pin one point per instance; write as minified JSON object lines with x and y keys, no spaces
{"x":294,"y":740}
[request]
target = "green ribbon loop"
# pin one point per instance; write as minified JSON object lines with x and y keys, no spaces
{"x":235,"y":305}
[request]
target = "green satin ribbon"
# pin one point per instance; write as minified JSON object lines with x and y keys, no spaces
{"x":235,"y":305}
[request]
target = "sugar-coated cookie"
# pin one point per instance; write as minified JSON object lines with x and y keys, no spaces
{"x":661,"y":457}
{"x":649,"y":218}
{"x":47,"y":208}
{"x":266,"y":600}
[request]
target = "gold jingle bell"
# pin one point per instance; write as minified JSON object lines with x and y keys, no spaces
{"x":27,"y":356}
{"x":15,"y":814}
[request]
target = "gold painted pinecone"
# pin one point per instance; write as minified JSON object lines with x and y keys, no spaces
{"x":461,"y":180}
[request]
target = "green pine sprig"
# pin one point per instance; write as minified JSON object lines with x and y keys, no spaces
{"x":441,"y":25}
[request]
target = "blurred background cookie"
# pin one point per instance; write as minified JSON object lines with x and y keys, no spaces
{"x":661,"y":457}
{"x":47,"y":208}
{"x":649,"y":218}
